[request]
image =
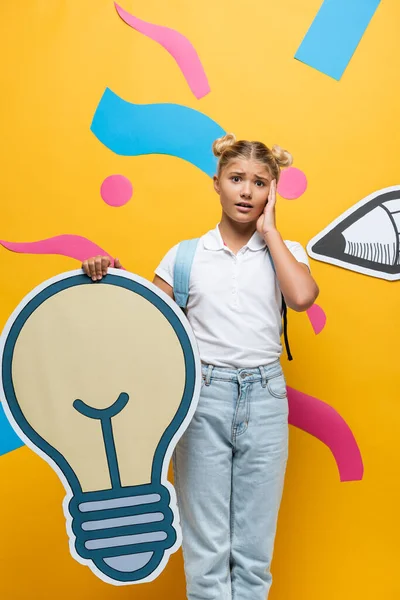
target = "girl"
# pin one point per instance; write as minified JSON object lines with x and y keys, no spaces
{"x":230,"y":463}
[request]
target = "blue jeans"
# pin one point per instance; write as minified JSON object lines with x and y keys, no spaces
{"x":229,"y":471}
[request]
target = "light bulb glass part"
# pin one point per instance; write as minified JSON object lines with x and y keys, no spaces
{"x":101,"y":379}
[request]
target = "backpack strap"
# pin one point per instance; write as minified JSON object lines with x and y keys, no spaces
{"x":182,"y":269}
{"x":284,"y":316}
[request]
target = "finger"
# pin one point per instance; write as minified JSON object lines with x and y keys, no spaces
{"x":97,"y":263}
{"x":272,"y":195}
{"x":85,"y":268}
{"x":117,"y":264}
{"x":92,"y":269}
{"x":272,"y":189}
{"x":105,"y":263}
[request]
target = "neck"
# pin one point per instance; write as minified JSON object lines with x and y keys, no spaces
{"x":236,"y":235}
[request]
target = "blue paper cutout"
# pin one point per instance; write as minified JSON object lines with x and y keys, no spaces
{"x":335,"y":34}
{"x":9,"y":440}
{"x":135,"y":129}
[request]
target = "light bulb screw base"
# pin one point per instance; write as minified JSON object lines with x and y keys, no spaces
{"x":124,"y":532}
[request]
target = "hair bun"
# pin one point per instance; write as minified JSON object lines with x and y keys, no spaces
{"x":223,"y":143}
{"x":282,"y":157}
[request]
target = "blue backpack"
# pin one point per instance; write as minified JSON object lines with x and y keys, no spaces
{"x":182,"y":270}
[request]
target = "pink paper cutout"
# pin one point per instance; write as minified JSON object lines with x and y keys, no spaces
{"x":73,"y":246}
{"x":292,"y":183}
{"x":177,"y":45}
{"x":317,"y":317}
{"x":323,"y":422}
{"x":116,"y":190}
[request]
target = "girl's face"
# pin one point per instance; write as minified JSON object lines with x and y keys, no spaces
{"x":243,"y":187}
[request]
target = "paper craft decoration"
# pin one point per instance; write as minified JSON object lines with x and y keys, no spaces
{"x":335,"y":34}
{"x":132,"y":129}
{"x":9,"y":440}
{"x":67,"y":244}
{"x":116,"y":190}
{"x":178,"y":46}
{"x":323,"y":422}
{"x":317,"y":318}
{"x":365,"y":238}
{"x":292,"y":183}
{"x":103,"y":396}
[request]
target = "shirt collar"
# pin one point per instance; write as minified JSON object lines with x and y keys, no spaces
{"x":213,"y":241}
{"x":256,"y":242}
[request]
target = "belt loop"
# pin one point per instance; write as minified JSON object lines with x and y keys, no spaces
{"x":263,"y":377}
{"x":208,"y":376}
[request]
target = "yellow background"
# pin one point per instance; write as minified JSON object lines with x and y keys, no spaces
{"x":335,"y":540}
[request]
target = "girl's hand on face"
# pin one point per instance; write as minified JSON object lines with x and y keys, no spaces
{"x":96,"y":268}
{"x":266,"y":221}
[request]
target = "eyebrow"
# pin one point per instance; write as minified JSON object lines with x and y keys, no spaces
{"x":241,"y":173}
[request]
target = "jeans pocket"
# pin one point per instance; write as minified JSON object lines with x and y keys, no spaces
{"x":277,"y":386}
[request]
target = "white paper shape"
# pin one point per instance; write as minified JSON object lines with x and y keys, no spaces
{"x":365,"y":238}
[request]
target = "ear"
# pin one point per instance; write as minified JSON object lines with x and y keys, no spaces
{"x":216,"y":184}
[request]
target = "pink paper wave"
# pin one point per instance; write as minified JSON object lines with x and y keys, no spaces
{"x":178,"y":47}
{"x":323,"y":422}
{"x":72,"y":246}
{"x":317,"y":317}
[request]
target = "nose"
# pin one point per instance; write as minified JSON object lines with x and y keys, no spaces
{"x":245,"y":192}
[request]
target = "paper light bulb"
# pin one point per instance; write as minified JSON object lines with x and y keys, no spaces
{"x":101,"y":379}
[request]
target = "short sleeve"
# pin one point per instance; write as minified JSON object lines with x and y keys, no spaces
{"x":165,"y":269}
{"x":298,"y":252}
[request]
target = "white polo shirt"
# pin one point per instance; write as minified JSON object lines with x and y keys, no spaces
{"x":234,"y":304}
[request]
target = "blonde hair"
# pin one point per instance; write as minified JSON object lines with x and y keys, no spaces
{"x":227,"y":148}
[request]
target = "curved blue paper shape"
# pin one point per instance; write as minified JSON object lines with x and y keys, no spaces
{"x":102,"y":557}
{"x":9,"y":440}
{"x":135,"y":129}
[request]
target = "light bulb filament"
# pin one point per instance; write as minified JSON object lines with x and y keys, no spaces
{"x":104,"y":415}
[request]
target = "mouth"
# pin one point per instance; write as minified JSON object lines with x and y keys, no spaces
{"x":244,"y":207}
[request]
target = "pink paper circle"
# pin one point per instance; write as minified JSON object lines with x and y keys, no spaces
{"x":116,"y":190}
{"x":292,"y":183}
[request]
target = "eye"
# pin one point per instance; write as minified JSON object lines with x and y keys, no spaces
{"x":236,"y":178}
{"x":365,"y":238}
{"x":262,"y":184}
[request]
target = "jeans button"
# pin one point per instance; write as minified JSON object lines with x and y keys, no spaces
{"x":243,"y":375}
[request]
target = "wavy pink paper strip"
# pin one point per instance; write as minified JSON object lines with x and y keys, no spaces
{"x":73,"y":246}
{"x":323,"y":422}
{"x":179,"y":48}
{"x":317,"y":317}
